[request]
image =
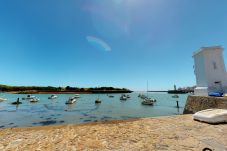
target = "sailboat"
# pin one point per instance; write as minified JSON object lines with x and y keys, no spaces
{"x":147,"y":100}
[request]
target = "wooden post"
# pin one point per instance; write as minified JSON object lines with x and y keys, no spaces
{"x":177,"y":104}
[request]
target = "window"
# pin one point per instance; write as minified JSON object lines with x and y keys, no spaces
{"x":214,"y":65}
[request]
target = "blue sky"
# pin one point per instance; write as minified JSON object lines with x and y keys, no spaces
{"x":120,"y":43}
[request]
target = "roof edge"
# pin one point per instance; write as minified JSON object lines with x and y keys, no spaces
{"x":207,"y":48}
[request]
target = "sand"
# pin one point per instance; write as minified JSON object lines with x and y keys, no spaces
{"x":162,"y":133}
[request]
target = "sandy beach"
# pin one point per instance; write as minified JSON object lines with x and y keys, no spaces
{"x":161,"y":133}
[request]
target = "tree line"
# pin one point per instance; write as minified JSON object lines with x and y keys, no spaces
{"x":6,"y":88}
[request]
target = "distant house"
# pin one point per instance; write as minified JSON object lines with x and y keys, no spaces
{"x":210,"y":72}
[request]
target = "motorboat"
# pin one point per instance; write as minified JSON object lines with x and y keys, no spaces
{"x":142,"y":96}
{"x":128,"y":96}
{"x":123,"y":97}
{"x":2,"y":99}
{"x":34,"y":100}
{"x":147,"y":102}
{"x":111,"y":96}
{"x":71,"y":100}
{"x":175,"y":96}
{"x":28,"y":97}
{"x":53,"y":97}
{"x":98,"y":101}
{"x":77,"y":96}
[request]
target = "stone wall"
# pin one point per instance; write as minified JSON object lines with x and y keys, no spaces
{"x":198,"y":103}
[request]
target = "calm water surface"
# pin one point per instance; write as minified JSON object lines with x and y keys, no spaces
{"x":51,"y":112}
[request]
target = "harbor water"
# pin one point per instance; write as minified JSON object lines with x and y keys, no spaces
{"x":55,"y":112}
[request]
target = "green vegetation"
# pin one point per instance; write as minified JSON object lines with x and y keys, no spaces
{"x":40,"y":89}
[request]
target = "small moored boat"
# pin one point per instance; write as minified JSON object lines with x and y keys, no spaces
{"x":98,"y":101}
{"x":123,"y":97}
{"x":142,"y":96}
{"x":53,"y":97}
{"x":149,"y":99}
{"x":77,"y":96}
{"x":175,"y":96}
{"x":2,"y":99}
{"x":34,"y":100}
{"x":28,"y":97}
{"x":71,"y":100}
{"x":147,"y":102}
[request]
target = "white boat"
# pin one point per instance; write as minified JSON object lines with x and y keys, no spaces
{"x":28,"y":97}
{"x":175,"y":96}
{"x":149,"y":99}
{"x":142,"y":96}
{"x":71,"y":100}
{"x":147,"y":102}
{"x":146,"y":99}
{"x":77,"y":96}
{"x":98,"y":101}
{"x":212,"y":116}
{"x":123,"y":97}
{"x":53,"y":97}
{"x":34,"y":100}
{"x":2,"y":99}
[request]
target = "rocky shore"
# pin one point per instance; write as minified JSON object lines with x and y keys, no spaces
{"x":162,"y":133}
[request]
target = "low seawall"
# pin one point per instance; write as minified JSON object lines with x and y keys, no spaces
{"x":198,"y":103}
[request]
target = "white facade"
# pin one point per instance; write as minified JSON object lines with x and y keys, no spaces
{"x":210,"y":70}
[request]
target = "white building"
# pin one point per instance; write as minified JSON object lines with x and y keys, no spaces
{"x":210,"y":70}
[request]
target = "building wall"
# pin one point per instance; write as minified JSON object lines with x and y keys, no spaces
{"x":210,"y":71}
{"x":199,"y":69}
{"x":215,"y":70}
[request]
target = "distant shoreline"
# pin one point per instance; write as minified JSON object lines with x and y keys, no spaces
{"x":60,"y":90}
{"x":66,"y":92}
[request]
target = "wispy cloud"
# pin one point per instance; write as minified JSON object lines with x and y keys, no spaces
{"x":99,"y":43}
